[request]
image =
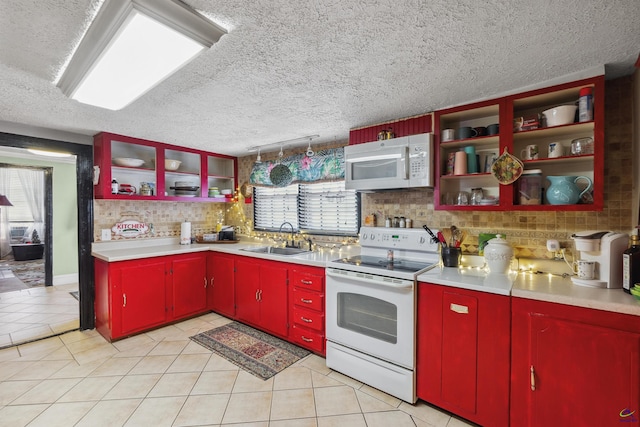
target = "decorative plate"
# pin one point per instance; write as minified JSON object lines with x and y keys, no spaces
{"x":281,"y":176}
{"x":507,"y":168}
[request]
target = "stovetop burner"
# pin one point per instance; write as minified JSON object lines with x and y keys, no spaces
{"x":402,"y":265}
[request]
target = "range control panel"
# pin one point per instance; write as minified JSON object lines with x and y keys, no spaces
{"x":409,"y":239}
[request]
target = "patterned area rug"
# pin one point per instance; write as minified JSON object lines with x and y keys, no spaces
{"x":256,"y":352}
{"x":31,"y":273}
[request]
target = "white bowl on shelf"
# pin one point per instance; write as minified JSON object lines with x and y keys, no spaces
{"x":225,"y":191}
{"x":171,"y":165}
{"x":560,"y":115}
{"x":128,"y":162}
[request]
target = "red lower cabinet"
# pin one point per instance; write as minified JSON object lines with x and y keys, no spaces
{"x":574,"y":366}
{"x":221,"y":287}
{"x":306,"y":308}
{"x":137,"y":295}
{"x":261,"y":294}
{"x":463,"y":353}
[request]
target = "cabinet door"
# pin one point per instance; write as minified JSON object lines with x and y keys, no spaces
{"x":221,"y":288}
{"x":582,"y":374}
{"x":247,"y":290}
{"x":460,"y":350}
{"x":140,"y":297}
{"x":273,"y":298}
{"x":189,"y":284}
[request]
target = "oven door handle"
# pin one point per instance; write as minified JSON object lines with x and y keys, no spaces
{"x":404,"y":284}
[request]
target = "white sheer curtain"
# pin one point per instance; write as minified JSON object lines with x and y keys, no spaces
{"x":33,"y":186}
{"x":5,"y":233}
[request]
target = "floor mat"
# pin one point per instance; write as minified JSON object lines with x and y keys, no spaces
{"x":256,"y":352}
{"x":31,"y":273}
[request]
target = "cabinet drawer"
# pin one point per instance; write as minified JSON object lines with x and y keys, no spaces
{"x":308,"y":280}
{"x":308,"y":319}
{"x":310,"y":300}
{"x":314,"y":341}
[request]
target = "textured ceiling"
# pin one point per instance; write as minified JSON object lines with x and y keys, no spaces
{"x":289,"y":68}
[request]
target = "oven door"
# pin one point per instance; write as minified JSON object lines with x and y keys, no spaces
{"x":371,"y":314}
{"x":377,"y":165}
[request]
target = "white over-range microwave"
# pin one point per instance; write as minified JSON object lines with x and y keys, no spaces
{"x":405,"y":162}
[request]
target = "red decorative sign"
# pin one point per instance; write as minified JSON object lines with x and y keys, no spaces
{"x":130,"y":228}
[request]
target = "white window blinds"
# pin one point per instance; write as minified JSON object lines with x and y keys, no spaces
{"x":323,"y":208}
{"x":274,"y":205}
{"x":328,"y":208}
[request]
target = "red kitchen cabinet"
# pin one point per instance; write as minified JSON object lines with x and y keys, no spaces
{"x":306,"y":308}
{"x":221,"y":287}
{"x":573,"y":366}
{"x":138,"y":295}
{"x":134,"y":161}
{"x":130,"y":296}
{"x":189,"y":277}
{"x":463,"y":340}
{"x":261,"y":294}
{"x":503,"y":112}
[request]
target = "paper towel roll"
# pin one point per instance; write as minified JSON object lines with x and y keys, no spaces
{"x":185,"y":233}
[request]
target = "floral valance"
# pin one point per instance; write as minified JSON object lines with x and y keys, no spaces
{"x":324,"y":165}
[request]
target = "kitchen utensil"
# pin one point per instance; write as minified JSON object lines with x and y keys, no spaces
{"x":564,"y":191}
{"x":467,"y":132}
{"x":560,"y":115}
{"x":452,"y":241}
{"x":555,"y":150}
{"x":480,"y":131}
{"x":493,"y":129}
{"x":441,"y":238}
{"x":128,"y":162}
{"x":507,"y":168}
{"x":448,"y":135}
{"x":434,"y":238}
{"x":530,"y":152}
{"x":280,"y":175}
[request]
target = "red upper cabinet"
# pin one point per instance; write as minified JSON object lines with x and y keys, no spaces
{"x":170,"y":172}
{"x":405,"y":127}
{"x":485,"y":147}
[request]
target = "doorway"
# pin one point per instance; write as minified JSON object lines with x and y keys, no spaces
{"x":29,"y":228}
{"x":84,"y":186}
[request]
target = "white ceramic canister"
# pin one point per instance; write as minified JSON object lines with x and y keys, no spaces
{"x":498,"y":254}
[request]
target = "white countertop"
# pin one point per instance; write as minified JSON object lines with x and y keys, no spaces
{"x":541,"y":287}
{"x":137,"y":249}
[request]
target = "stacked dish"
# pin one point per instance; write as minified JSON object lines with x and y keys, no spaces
{"x":128,"y":162}
{"x":185,"y":189}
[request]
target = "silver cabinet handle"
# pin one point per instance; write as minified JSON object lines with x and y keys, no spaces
{"x":306,"y":282}
{"x":306,"y":301}
{"x":304,"y":319}
{"x":124,"y":300}
{"x":306,"y":339}
{"x":205,"y":282}
{"x":211,"y":282}
{"x":460,"y":309}
{"x":257,"y":292}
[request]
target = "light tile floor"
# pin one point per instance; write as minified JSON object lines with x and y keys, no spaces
{"x":161,"y":378}
{"x":36,"y":313}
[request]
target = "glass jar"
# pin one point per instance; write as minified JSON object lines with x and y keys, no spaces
{"x":530,"y":187}
{"x":476,"y":196}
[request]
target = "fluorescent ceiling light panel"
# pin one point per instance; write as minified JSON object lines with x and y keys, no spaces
{"x":48,"y":153}
{"x":132,"y":46}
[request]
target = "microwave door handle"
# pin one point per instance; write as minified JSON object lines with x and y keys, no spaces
{"x":406,"y":163}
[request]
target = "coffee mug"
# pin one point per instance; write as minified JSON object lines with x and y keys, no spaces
{"x":530,"y":152}
{"x":586,"y":269}
{"x":480,"y":131}
{"x":467,"y":132}
{"x":493,"y":129}
{"x":555,"y":150}
{"x":448,"y":135}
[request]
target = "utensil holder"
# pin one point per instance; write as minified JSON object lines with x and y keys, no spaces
{"x":451,"y":256}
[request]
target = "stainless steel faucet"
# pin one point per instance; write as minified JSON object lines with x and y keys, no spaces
{"x":292,"y":245}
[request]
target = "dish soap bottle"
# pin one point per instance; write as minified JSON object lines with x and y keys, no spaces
{"x":631,"y":264}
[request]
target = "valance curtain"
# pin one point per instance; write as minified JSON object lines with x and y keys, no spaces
{"x":5,"y":232}
{"x":33,"y":186}
{"x":324,"y":165}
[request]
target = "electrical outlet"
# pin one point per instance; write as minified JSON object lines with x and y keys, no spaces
{"x":553,"y":245}
{"x":106,"y":234}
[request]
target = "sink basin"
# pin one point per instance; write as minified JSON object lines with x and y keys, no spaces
{"x":276,"y":250}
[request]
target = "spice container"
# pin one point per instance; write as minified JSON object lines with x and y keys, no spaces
{"x":402,"y":223}
{"x":530,"y":187}
{"x":585,"y":105}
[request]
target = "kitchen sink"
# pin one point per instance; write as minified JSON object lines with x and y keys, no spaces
{"x":276,"y":250}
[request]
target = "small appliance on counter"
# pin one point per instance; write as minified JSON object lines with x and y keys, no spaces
{"x":605,"y":248}
{"x":227,"y":233}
